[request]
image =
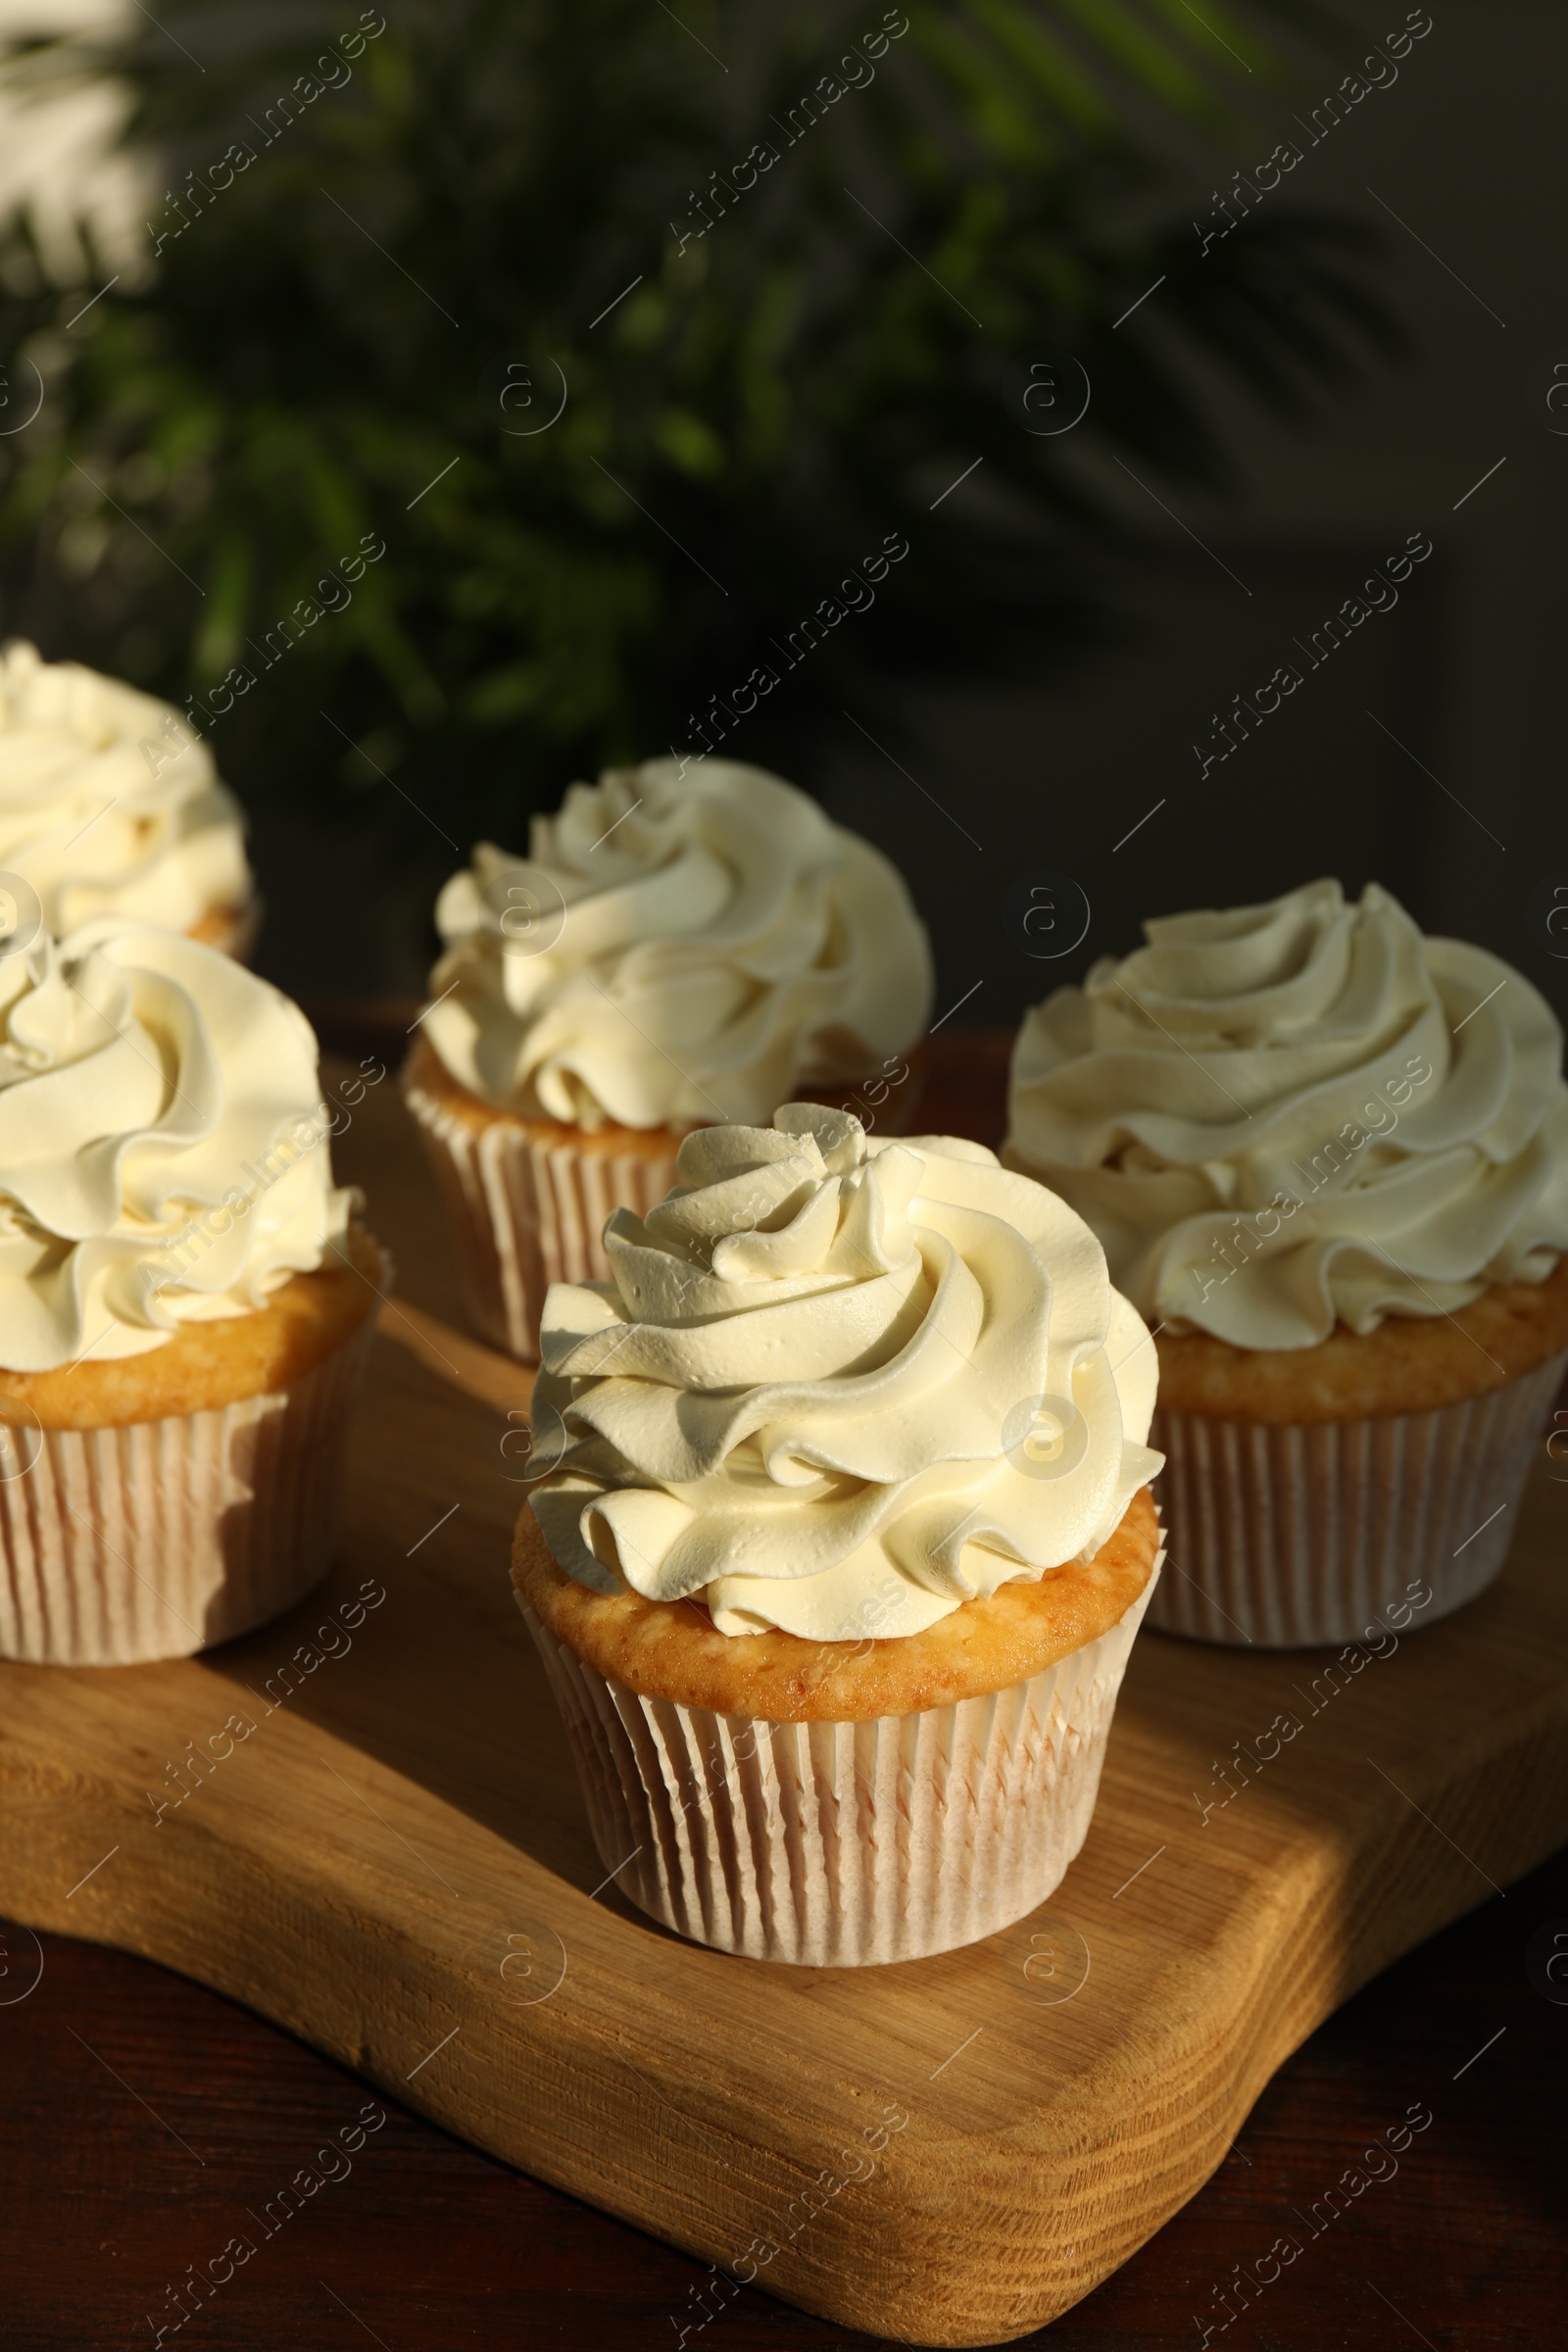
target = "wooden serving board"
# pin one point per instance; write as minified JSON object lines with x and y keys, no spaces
{"x":394,"y":1863}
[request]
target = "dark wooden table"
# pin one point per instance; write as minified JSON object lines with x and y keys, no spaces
{"x":141,"y":2117}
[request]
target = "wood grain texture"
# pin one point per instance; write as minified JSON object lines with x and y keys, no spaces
{"x":395,"y":1864}
{"x":144,"y":2118}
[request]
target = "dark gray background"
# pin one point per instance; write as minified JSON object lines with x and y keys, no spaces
{"x":1465,"y":673}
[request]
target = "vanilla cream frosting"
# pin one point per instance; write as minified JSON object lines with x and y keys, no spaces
{"x":163,"y":1144}
{"x":108,"y":801}
{"x":678,"y":948}
{"x":1287,"y":1116}
{"x":839,"y":1386}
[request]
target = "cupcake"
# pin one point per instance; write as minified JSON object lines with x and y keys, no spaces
{"x":1328,"y":1159}
{"x":110,"y":804}
{"x":839,"y":1539}
{"x":186,"y":1302}
{"x":687,"y":943}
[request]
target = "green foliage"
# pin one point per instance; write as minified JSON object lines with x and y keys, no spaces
{"x":320,"y":359}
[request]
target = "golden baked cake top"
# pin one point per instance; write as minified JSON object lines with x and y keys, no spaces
{"x":677,"y":1653}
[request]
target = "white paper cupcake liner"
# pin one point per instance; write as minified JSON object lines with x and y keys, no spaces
{"x":162,"y":1538}
{"x":1294,"y":1535}
{"x":842,"y":1844}
{"x":527,"y":1213}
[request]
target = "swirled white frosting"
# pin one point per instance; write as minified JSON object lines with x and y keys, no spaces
{"x":163,"y":1144}
{"x":1283,"y":1117}
{"x":108,"y":801}
{"x":833,"y":1383}
{"x":677,"y":948}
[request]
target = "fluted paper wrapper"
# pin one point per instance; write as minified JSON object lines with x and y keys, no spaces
{"x":528,"y":1212}
{"x":1288,"y":1536}
{"x":162,"y":1538}
{"x":840,"y":1845}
